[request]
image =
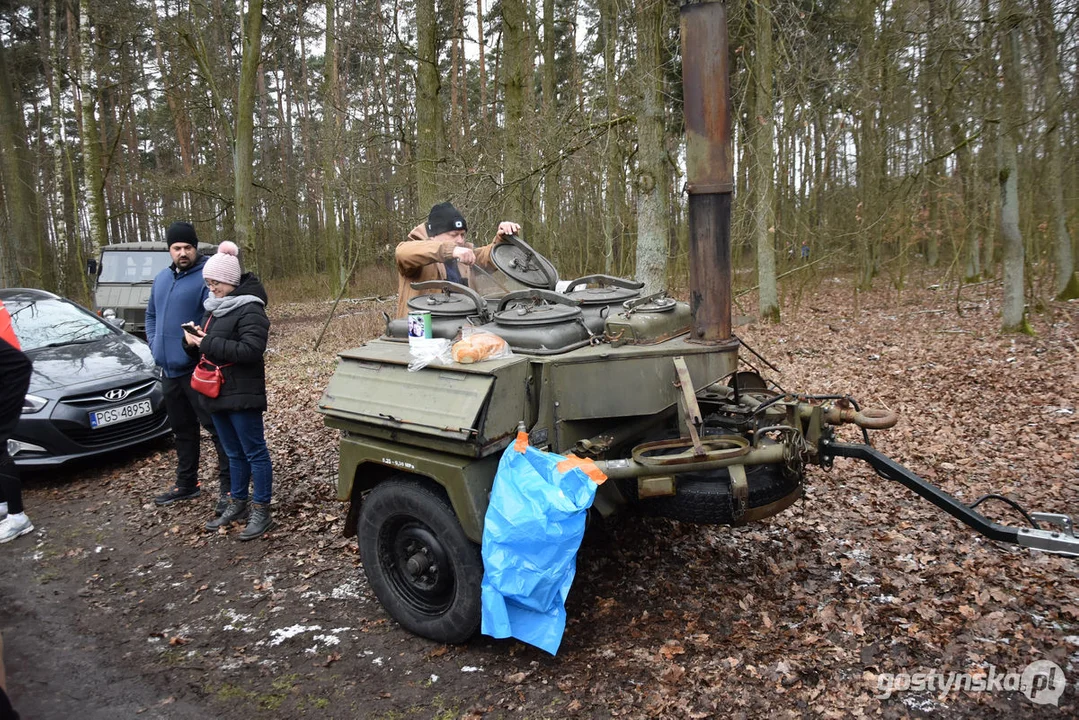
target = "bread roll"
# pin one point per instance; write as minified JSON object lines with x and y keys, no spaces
{"x":477,"y":347}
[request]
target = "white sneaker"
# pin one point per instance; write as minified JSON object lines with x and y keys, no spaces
{"x":13,"y":526}
{"x":3,"y":510}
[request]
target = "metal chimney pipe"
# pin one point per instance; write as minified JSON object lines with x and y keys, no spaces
{"x":710,"y":170}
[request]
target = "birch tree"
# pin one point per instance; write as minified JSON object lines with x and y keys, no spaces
{"x":1013,"y":306}
{"x":653,"y":203}
{"x":93,"y":179}
{"x":763,"y":158}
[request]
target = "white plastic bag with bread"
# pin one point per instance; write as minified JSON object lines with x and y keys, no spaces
{"x":477,"y":346}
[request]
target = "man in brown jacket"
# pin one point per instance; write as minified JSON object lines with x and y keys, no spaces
{"x":437,"y":250}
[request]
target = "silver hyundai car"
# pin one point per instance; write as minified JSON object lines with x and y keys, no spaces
{"x":95,"y":389}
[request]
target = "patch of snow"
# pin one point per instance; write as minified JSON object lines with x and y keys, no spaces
{"x":237,"y":621}
{"x":348,"y":590}
{"x":924,"y":704}
{"x":471,"y":668}
{"x":434,"y":678}
{"x":282,"y":634}
{"x":378,"y":661}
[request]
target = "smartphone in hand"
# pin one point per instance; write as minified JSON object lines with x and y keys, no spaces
{"x":192,"y":328}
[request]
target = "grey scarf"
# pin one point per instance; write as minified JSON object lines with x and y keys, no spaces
{"x":223,"y":306}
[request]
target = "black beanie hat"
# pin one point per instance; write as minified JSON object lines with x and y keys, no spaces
{"x":443,"y":218}
{"x":181,"y":232}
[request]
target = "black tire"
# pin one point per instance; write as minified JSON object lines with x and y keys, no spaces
{"x":422,"y":567}
{"x":705,"y":498}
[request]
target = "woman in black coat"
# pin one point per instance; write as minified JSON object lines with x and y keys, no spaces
{"x":233,"y":338}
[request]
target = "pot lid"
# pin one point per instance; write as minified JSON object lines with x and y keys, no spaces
{"x":537,"y":314}
{"x":657,"y":303}
{"x":603,"y":295}
{"x":454,"y":300}
{"x":518,"y":260}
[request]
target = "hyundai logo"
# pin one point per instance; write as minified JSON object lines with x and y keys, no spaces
{"x":117,"y":394}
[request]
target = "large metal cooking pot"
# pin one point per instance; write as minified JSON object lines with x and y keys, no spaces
{"x":540,"y":322}
{"x":606,"y":293}
{"x":456,"y":306}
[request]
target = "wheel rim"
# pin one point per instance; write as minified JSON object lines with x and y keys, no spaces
{"x":417,"y":565}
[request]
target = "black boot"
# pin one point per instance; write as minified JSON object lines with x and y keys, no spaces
{"x":233,"y":513}
{"x":222,"y":504}
{"x":258,"y":523}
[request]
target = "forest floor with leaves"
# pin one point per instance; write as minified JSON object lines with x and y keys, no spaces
{"x":114,"y":607}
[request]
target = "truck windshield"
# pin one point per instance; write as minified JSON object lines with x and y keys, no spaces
{"x":120,"y":266}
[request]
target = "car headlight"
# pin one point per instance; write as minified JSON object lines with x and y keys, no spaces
{"x":32,"y":404}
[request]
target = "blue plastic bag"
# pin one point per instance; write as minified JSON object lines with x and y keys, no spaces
{"x":531,"y":533}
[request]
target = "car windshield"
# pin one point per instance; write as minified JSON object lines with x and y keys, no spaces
{"x":127,"y":266}
{"x":50,"y":322}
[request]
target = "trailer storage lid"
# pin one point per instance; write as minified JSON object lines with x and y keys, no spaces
{"x":372,"y":385}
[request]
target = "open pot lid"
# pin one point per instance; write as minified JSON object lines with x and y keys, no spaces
{"x":519,"y":261}
{"x":527,"y":314}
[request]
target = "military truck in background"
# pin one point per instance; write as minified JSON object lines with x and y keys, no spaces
{"x":123,"y":275}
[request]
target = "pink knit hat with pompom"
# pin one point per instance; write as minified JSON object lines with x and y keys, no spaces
{"x":224,"y":266}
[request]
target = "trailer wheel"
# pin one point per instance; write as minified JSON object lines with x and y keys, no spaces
{"x":422,"y":567}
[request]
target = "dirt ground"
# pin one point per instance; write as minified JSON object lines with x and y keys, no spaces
{"x":115,"y":608}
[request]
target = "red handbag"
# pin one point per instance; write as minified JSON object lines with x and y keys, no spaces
{"x":207,"y":378}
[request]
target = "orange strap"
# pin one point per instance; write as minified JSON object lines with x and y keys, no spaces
{"x":6,"y":331}
{"x":590,"y":468}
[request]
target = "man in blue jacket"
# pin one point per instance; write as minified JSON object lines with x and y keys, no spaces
{"x":176,"y":298}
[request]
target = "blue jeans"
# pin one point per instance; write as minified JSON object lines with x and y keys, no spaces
{"x":242,"y":437}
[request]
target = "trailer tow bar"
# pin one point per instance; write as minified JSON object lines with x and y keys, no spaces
{"x":1061,"y":541}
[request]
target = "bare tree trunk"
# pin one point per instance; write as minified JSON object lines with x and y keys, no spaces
{"x":68,"y":246}
{"x":482,"y":61}
{"x":515,"y":42}
{"x":934,"y":101}
{"x":94,"y":189}
{"x":760,"y":169}
{"x":988,"y":154}
{"x":1066,"y":285}
{"x":653,"y":206}
{"x":1013,"y":307}
{"x":429,"y":131}
{"x":22,"y":262}
{"x":244,"y":154}
{"x":615,"y":198}
{"x":336,"y":266}
{"x":868,"y":146}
